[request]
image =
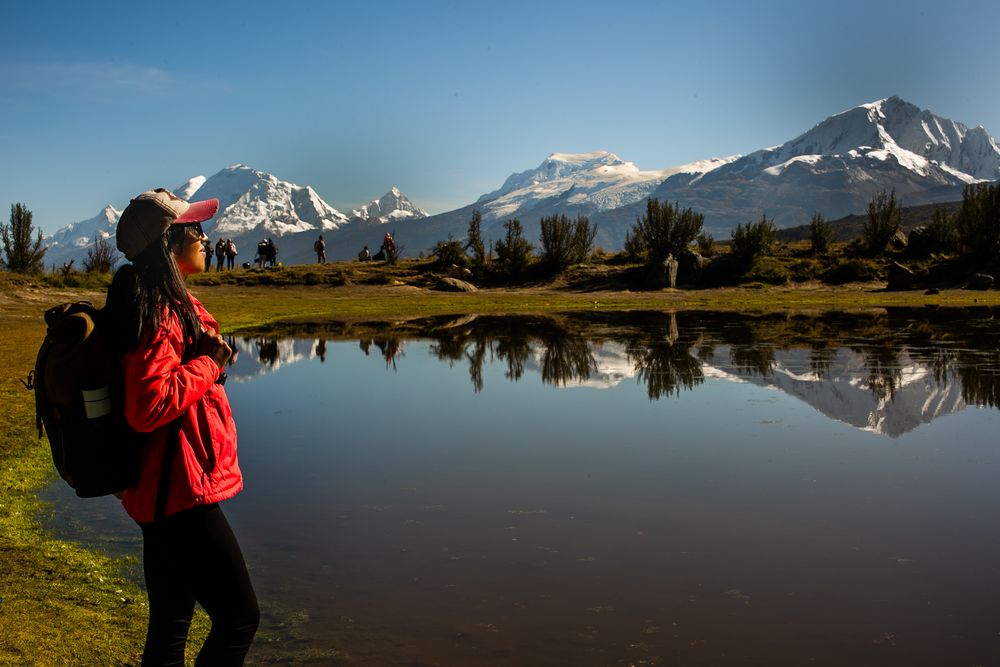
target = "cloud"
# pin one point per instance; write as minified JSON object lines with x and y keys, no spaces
{"x":88,"y":79}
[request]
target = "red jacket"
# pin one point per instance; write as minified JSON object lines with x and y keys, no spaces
{"x":158,"y":390}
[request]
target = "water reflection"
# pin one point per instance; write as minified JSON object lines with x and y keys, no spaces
{"x":886,"y":370}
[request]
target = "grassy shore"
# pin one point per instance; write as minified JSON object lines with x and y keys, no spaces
{"x":61,"y":604}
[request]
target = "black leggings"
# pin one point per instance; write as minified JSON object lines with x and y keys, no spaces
{"x":189,"y":557}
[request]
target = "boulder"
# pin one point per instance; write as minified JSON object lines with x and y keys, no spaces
{"x":690,"y":265}
{"x":898,"y":240}
{"x":455,"y":285}
{"x":980,"y":281}
{"x":900,"y":278}
{"x":919,"y":243}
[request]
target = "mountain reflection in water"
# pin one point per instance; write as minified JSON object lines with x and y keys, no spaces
{"x":883,"y":371}
{"x":596,"y":489}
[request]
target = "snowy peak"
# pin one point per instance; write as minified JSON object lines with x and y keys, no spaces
{"x":252,"y":200}
{"x":187,"y":190}
{"x":393,"y":206}
{"x":893,"y":129}
{"x":586,"y":182}
{"x":79,"y":235}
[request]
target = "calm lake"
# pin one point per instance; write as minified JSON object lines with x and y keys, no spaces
{"x":647,"y":488}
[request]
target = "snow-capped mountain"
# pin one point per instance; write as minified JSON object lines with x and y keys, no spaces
{"x":597,"y":181}
{"x":72,"y":241}
{"x":258,"y":204}
{"x":393,"y":206}
{"x":839,"y":165}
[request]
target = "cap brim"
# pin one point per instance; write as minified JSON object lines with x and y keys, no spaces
{"x":199,"y":211}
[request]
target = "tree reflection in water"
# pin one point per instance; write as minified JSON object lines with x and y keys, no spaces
{"x":669,"y":352}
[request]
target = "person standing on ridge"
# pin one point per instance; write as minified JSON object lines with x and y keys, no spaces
{"x":173,"y":360}
{"x":320,"y":247}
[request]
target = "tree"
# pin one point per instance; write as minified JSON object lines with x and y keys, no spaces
{"x":752,"y":240}
{"x":474,"y":242}
{"x":978,"y":220}
{"x":102,"y":257}
{"x":821,"y":234}
{"x":565,"y":241}
{"x":663,"y":230}
{"x":513,"y":251}
{"x":20,"y":252}
{"x":884,"y":219}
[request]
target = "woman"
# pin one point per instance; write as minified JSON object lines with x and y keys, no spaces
{"x":173,"y":360}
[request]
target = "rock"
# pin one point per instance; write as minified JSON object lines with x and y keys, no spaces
{"x":898,"y":240}
{"x":670,"y":269}
{"x":980,"y":281}
{"x":919,"y":243}
{"x":455,"y":285}
{"x":932,"y":291}
{"x":690,"y":265}
{"x":900,"y":278}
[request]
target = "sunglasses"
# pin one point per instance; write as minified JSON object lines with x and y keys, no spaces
{"x":193,"y":229}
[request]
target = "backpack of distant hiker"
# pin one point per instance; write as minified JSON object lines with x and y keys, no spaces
{"x":79,"y":399}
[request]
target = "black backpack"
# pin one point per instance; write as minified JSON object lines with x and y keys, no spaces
{"x":79,"y":399}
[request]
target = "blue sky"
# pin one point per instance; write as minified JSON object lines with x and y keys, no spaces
{"x":99,"y":101}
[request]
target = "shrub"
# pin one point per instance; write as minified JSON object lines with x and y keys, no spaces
{"x":663,"y":230}
{"x":884,"y":218}
{"x":978,"y":221}
{"x":450,"y":252}
{"x":942,"y":232}
{"x":102,"y":257}
{"x":752,"y":240}
{"x":853,"y":270}
{"x":706,"y":244}
{"x":513,"y":251}
{"x":566,"y":242}
{"x":821,"y":235}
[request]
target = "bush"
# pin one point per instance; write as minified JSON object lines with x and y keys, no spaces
{"x":942,"y":232}
{"x":821,"y":235}
{"x":566,"y":242}
{"x":978,"y":221}
{"x":450,"y":252}
{"x":853,"y":270}
{"x":663,"y":230}
{"x":752,"y":240}
{"x":706,"y":244}
{"x":102,"y":257}
{"x":884,"y":219}
{"x":513,"y":251}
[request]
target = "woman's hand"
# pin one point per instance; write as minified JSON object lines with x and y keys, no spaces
{"x":213,"y":345}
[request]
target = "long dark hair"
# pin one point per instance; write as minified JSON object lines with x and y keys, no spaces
{"x":144,"y":293}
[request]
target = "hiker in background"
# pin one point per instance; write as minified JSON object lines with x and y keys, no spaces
{"x":389,"y":245}
{"x":320,"y":247}
{"x":231,"y":253}
{"x":220,"y":253}
{"x":173,"y":360}
{"x":272,"y":253}
{"x":208,"y":255}
{"x":364,"y":255}
{"x":262,"y":253}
